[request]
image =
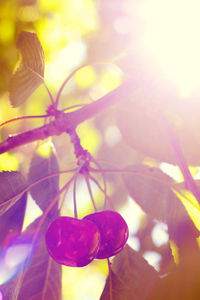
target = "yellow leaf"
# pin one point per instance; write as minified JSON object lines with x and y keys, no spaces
{"x":191,"y":204}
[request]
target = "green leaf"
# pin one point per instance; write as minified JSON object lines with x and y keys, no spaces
{"x":132,"y":277}
{"x":42,"y":277}
{"x":152,"y":190}
{"x":30,"y":72}
{"x":45,"y":191}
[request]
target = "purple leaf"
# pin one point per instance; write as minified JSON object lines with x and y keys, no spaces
{"x":45,"y":191}
{"x":11,"y":221}
{"x":132,"y":277}
{"x":181,"y":281}
{"x":12,"y":185}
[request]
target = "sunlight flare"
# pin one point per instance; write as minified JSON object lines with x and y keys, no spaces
{"x":171,"y":36}
{"x":12,"y":260}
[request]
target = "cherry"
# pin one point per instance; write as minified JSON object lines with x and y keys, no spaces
{"x":113,"y":229}
{"x":72,"y":242}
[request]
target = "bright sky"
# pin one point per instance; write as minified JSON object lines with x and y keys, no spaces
{"x":171,"y":35}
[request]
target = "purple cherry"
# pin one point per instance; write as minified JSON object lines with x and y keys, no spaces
{"x":114,"y":232}
{"x":72,"y":242}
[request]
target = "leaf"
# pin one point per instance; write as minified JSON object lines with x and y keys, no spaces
{"x":45,"y":191}
{"x":12,"y":184}
{"x":11,"y":221}
{"x":119,"y":290}
{"x":132,"y":277}
{"x":30,"y":72}
{"x":144,"y":129}
{"x":151,"y":189}
{"x":42,"y":277}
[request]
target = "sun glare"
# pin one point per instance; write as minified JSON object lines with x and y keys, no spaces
{"x":171,"y":35}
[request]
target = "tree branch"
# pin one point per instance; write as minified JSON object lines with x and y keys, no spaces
{"x":65,"y":122}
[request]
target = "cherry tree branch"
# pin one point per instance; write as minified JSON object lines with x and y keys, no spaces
{"x":66,"y":122}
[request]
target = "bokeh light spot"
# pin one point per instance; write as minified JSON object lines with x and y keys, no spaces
{"x":172,"y":171}
{"x":16,"y":255}
{"x":67,"y":59}
{"x":33,"y":211}
{"x":153,"y":258}
{"x":159,"y":234}
{"x":90,"y":137}
{"x":7,"y":30}
{"x":112,"y":136}
{"x":134,"y":243}
{"x":12,"y":260}
{"x":85,"y":77}
{"x":8,"y":162}
{"x":111,"y":78}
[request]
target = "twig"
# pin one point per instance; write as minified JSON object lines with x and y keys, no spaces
{"x":66,"y":122}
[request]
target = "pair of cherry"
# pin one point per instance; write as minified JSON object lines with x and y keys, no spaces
{"x":75,"y":243}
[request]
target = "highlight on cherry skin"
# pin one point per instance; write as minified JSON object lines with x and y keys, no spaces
{"x":113,"y":231}
{"x":72,"y":242}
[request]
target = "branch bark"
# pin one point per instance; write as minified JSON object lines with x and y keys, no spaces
{"x":65,"y":122}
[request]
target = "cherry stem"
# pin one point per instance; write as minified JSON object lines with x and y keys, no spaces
{"x":110,"y":279}
{"x":63,"y":198}
{"x":132,"y":172}
{"x":104,"y":179}
{"x":84,"y":157}
{"x":74,"y":197}
{"x":102,"y":190}
{"x":74,"y":189}
{"x":45,"y":213}
{"x":90,"y":190}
